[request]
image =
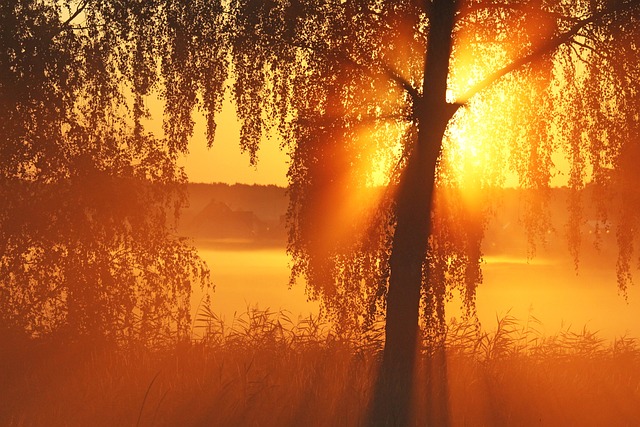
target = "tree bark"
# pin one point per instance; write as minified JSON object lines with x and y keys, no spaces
{"x":392,"y":404}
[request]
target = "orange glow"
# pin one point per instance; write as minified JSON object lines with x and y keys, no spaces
{"x":481,"y":141}
{"x":383,"y":152}
{"x":401,"y":44}
{"x":224,"y":162}
{"x":129,"y":295}
{"x":475,"y":149}
{"x":465,"y":155}
{"x":471,"y":64}
{"x":344,"y":198}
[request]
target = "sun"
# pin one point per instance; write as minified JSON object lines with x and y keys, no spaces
{"x":474,"y":153}
{"x":465,"y":153}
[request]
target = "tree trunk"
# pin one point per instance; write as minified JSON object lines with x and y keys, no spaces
{"x":392,"y":404}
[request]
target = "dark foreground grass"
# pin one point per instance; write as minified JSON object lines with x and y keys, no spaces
{"x":265,"y":370}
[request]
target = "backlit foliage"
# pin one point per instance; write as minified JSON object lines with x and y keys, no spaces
{"x":89,"y":199}
{"x":339,"y":80}
{"x":349,"y":69}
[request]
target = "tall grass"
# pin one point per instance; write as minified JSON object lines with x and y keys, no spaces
{"x":265,"y":369}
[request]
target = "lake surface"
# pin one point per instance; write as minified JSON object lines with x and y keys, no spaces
{"x":548,"y":290}
{"x":244,"y":278}
{"x":553,"y":293}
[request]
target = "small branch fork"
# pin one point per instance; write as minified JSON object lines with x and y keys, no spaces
{"x":549,"y":46}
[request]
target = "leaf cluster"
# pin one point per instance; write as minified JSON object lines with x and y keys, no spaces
{"x":90,"y":199}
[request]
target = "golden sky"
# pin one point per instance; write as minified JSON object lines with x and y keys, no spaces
{"x":225,"y":163}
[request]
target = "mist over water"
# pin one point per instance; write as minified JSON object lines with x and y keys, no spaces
{"x":249,"y":278}
{"x":240,"y":232}
{"x":542,"y":288}
{"x":553,"y":293}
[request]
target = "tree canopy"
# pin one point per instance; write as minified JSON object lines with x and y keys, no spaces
{"x":546,"y":88}
{"x":344,"y":84}
{"x":400,"y":118}
{"x":87,"y":223}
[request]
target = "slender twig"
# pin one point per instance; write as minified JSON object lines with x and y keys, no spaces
{"x":382,"y":67}
{"x":401,"y":81}
{"x":590,"y":49}
{"x":75,"y":14}
{"x":548,"y":47}
{"x":155,"y":414}
{"x":145,"y":398}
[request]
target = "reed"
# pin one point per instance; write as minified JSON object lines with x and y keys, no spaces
{"x":263,"y":368}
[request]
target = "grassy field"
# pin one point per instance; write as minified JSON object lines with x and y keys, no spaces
{"x":265,"y":369}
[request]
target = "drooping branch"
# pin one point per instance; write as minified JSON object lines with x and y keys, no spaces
{"x":393,"y":75}
{"x":549,"y":46}
{"x":81,"y":7}
{"x":66,"y":24}
{"x":469,"y":10}
{"x":590,"y":49}
{"x":380,"y":67}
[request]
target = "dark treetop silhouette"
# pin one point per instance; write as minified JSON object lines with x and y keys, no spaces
{"x":87,"y":241}
{"x":353,"y":84}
